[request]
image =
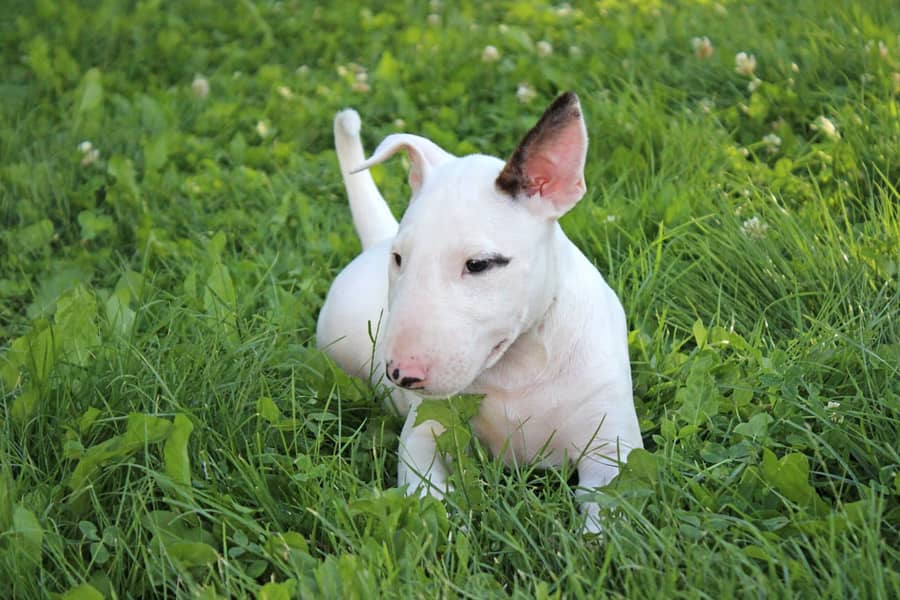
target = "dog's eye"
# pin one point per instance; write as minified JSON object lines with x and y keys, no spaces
{"x":479,"y":265}
{"x":397,"y":259}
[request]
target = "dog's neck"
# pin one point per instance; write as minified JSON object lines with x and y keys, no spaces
{"x":546,"y":340}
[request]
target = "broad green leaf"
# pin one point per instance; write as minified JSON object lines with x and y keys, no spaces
{"x":268,"y":410}
{"x":89,"y":530}
{"x":175,"y":452}
{"x":173,"y":527}
{"x":388,"y":68}
{"x":156,"y":153}
{"x":454,"y":415}
{"x":789,"y":475}
{"x":208,"y":593}
{"x":643,"y":465}
{"x":700,"y":332}
{"x":91,"y":91}
{"x":448,"y":412}
{"x":94,"y":223}
{"x":142,"y":430}
{"x":29,"y":534}
{"x":31,"y":238}
{"x":698,"y":400}
{"x":283,"y":543}
{"x":87,"y":419}
{"x":76,"y":327}
{"x":39,"y":61}
{"x":277,"y":591}
{"x":85,"y":591}
{"x":192,"y":554}
{"x":123,"y":170}
{"x":216,"y":246}
{"x":756,"y":428}
{"x":220,"y":300}
{"x":119,"y":315}
{"x":25,"y":405}
{"x":130,"y":286}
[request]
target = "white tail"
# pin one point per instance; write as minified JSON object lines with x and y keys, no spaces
{"x":371,"y":216}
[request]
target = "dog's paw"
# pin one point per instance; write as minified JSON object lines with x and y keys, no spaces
{"x":347,"y":122}
{"x":592,"y":521}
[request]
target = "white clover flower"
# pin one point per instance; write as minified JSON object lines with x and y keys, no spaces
{"x":362,"y":87}
{"x":610,"y":218}
{"x":262,"y":129}
{"x":832,"y":405}
{"x":399,"y":123}
{"x":795,"y":68}
{"x":200,"y":87}
{"x":285,"y":92}
{"x":342,"y":71}
{"x":303,"y":70}
{"x":575,"y":52}
{"x":434,"y":19}
{"x":827,"y":127}
{"x":490,"y":54}
{"x":772,"y":142}
{"x":703,"y":48}
{"x":503,"y":28}
{"x":706,"y":105}
{"x":362,"y":76}
{"x":744,"y":64}
{"x":90,"y":157}
{"x":754,"y":228}
{"x":563,"y":10}
{"x":525,"y":93}
{"x":89,"y":154}
{"x":882,"y":50}
{"x":754,"y":84}
{"x":544,"y":48}
{"x":720,"y":9}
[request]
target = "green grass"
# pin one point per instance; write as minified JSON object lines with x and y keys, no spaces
{"x":169,"y":429}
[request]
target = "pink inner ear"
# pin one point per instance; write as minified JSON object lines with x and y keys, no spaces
{"x":554,"y":167}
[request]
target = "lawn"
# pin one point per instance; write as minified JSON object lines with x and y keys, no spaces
{"x":172,"y":214}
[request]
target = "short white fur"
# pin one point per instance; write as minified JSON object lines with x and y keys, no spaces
{"x":542,"y":336}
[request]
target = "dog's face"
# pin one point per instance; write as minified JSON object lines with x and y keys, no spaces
{"x":467,"y":271}
{"x":472,"y":266}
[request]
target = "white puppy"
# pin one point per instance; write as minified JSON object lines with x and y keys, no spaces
{"x":479,"y":291}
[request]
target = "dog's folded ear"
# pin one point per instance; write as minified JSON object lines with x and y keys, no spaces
{"x":549,"y":161}
{"x":424,"y":155}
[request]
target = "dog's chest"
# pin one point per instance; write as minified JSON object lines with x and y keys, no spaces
{"x":521,"y":429}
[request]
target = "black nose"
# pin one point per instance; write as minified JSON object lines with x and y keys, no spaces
{"x":409,"y":382}
{"x":394,"y":375}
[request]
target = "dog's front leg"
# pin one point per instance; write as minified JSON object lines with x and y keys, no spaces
{"x":422,"y":469}
{"x":594,"y":472}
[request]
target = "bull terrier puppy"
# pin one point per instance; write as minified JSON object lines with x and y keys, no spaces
{"x":477,"y":290}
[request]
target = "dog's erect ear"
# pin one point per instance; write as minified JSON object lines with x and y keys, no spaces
{"x":424,"y":155}
{"x":549,"y":161}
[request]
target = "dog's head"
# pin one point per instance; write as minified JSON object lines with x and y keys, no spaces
{"x":474,"y":263}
